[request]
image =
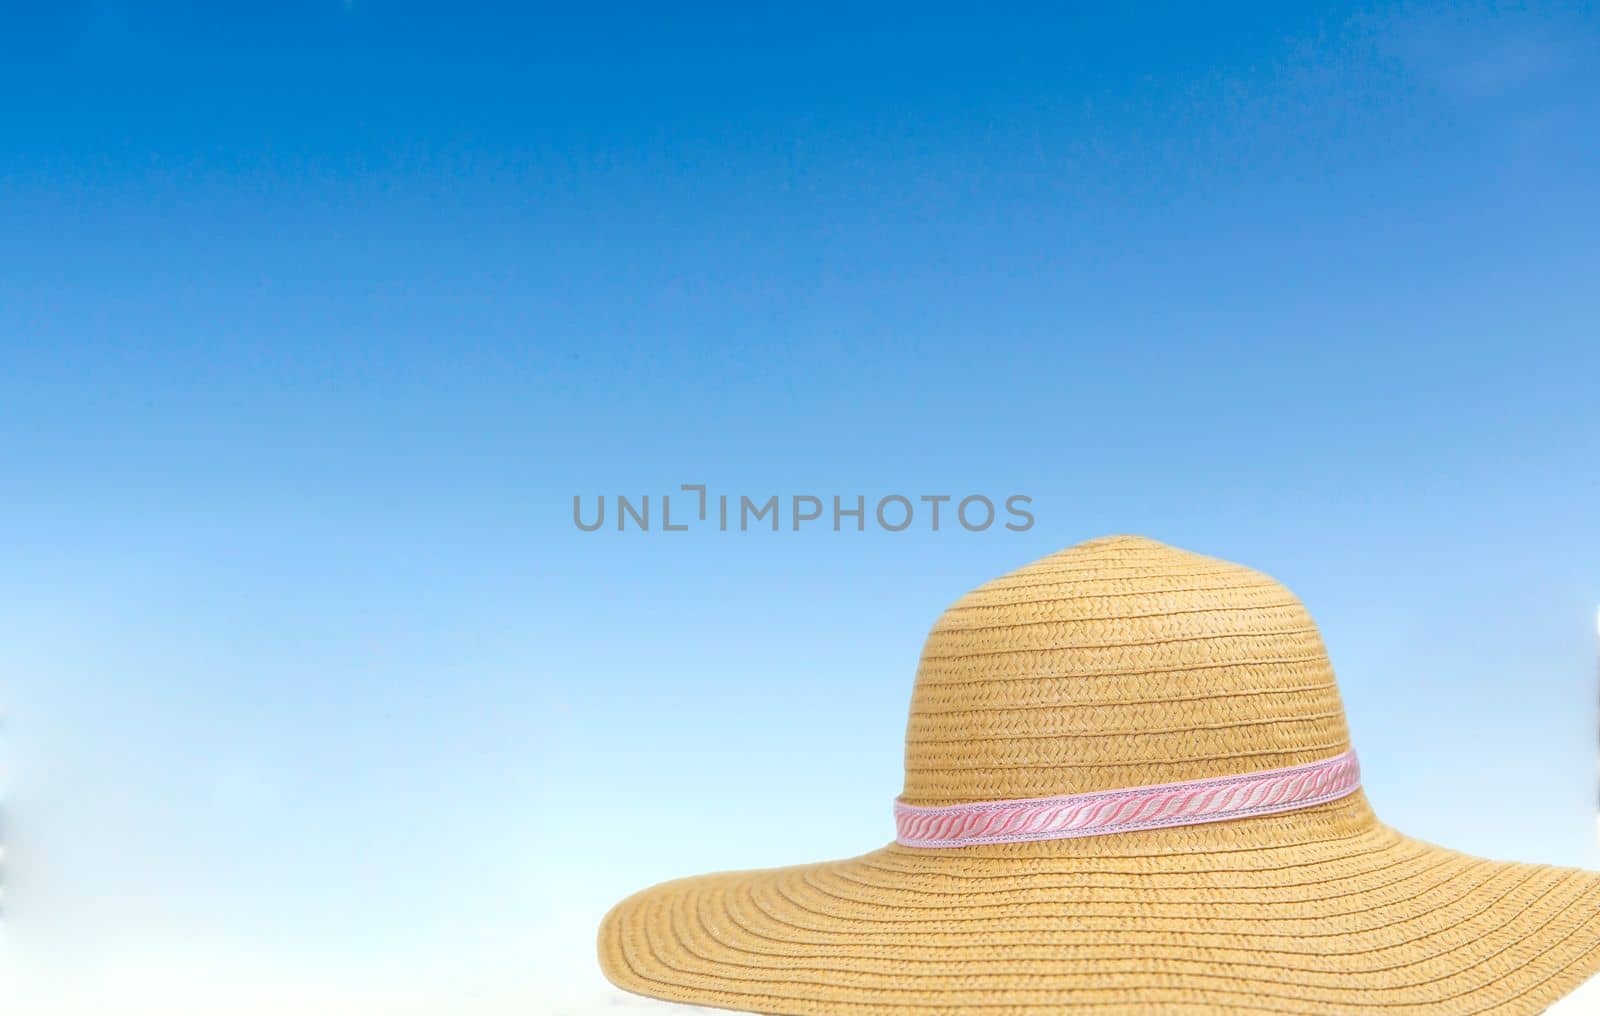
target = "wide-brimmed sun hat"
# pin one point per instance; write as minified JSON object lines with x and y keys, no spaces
{"x":1129,"y":788}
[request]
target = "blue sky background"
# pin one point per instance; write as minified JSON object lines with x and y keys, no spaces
{"x":315,"y":316}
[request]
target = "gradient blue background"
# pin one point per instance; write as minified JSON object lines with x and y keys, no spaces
{"x":315,"y":316}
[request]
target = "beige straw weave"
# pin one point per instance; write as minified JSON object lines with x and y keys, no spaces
{"x":1118,"y":663}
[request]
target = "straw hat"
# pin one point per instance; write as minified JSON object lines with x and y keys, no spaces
{"x":1129,"y":788}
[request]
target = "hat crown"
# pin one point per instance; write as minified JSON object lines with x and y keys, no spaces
{"x":1118,"y":662}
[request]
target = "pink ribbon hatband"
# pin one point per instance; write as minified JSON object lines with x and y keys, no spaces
{"x":1121,"y":811}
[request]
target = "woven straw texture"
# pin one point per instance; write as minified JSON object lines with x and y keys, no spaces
{"x":1122,"y":662}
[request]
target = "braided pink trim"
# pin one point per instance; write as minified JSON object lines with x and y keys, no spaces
{"x":1120,"y":811}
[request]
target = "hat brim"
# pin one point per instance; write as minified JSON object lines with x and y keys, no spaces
{"x":1324,"y":910}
